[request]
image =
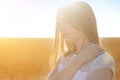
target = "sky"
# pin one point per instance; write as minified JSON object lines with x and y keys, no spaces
{"x":37,"y":18}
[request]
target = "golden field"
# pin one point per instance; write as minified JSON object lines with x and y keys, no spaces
{"x":27,"y":58}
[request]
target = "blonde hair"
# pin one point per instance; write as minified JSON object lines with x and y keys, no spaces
{"x":81,"y":16}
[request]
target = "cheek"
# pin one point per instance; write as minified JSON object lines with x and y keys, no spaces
{"x":74,"y":32}
{"x":71,"y":30}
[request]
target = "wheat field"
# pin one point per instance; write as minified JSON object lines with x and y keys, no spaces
{"x":27,"y":58}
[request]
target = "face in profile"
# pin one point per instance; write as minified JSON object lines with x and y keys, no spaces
{"x":69,"y":32}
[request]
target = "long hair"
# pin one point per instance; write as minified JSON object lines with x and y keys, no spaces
{"x":81,"y":16}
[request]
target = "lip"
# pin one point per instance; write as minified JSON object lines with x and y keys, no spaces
{"x":64,"y":34}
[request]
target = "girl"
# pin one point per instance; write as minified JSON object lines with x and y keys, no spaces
{"x":77,"y":54}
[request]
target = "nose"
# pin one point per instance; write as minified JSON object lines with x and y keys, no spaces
{"x":62,"y":30}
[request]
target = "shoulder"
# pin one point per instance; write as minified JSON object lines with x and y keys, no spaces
{"x":102,"y":64}
{"x":103,"y":61}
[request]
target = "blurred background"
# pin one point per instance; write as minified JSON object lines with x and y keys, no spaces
{"x":27,"y":58}
{"x":27,"y":30}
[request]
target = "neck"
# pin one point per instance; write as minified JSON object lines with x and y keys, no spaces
{"x":81,"y":43}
